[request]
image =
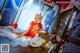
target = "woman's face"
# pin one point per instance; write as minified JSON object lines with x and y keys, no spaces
{"x":38,"y":18}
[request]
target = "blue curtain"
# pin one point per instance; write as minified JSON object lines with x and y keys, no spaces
{"x":8,"y":13}
{"x":1,"y":3}
{"x":50,"y":20}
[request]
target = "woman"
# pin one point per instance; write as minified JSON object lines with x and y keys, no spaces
{"x":33,"y":30}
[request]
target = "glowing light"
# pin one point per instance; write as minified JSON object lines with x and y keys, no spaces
{"x":0,"y":17}
{"x":47,"y":45}
{"x":44,"y":41}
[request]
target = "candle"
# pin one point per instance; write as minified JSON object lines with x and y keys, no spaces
{"x":0,"y":17}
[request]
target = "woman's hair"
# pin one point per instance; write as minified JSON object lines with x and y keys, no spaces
{"x":38,"y":15}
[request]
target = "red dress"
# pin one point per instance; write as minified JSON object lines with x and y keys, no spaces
{"x":34,"y":29}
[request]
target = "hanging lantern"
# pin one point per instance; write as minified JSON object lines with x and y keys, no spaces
{"x":48,"y":1}
{"x":14,"y":25}
{"x":65,"y":5}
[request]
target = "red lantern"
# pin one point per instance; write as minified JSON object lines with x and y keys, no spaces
{"x":48,"y":1}
{"x":64,"y":4}
{"x":14,"y":25}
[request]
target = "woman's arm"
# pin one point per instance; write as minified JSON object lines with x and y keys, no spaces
{"x":12,"y":29}
{"x":26,"y":31}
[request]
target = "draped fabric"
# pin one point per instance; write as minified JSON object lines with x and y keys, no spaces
{"x":73,"y":45}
